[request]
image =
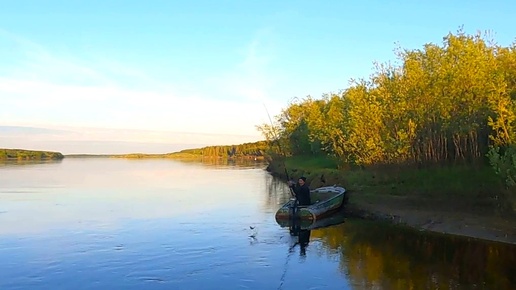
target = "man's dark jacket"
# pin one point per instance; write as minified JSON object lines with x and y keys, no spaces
{"x":302,"y":194}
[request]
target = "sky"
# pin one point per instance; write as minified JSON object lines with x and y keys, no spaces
{"x":160,"y":76}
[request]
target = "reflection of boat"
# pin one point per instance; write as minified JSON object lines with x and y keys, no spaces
{"x":301,"y":224}
{"x":302,"y":228}
{"x":325,"y":200}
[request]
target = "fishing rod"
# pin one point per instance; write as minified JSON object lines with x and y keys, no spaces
{"x":294,"y":205}
{"x":290,"y":252}
{"x":279,"y":146}
{"x":282,"y":278}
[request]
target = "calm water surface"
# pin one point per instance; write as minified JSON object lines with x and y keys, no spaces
{"x":163,"y":224}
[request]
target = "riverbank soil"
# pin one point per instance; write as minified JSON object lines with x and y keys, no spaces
{"x":460,"y":200}
{"x":436,"y":216}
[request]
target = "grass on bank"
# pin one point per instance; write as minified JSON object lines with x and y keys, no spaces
{"x":453,"y":187}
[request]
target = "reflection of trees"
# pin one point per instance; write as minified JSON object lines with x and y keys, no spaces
{"x":224,"y":163}
{"x":277,"y":192}
{"x":387,"y":257}
{"x":22,"y":162}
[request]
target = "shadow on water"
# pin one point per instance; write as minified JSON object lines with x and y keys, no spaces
{"x":384,"y":256}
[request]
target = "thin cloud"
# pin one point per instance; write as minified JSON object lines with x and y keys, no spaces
{"x":69,"y":140}
{"x":39,"y":64}
{"x":252,"y":79}
{"x":49,"y":90}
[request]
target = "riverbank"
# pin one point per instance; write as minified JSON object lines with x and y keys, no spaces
{"x":459,"y":200}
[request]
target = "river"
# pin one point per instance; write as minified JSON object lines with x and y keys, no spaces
{"x":104,"y":223}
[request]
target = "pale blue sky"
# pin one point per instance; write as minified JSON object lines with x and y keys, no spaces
{"x":171,"y":71}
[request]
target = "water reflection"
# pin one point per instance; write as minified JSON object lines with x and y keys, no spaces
{"x":376,"y":255}
{"x":225,"y":163}
{"x":187,"y":225}
{"x":302,"y":229}
{"x":95,"y":192}
{"x":22,"y":162}
{"x":277,"y":192}
{"x":303,"y":237}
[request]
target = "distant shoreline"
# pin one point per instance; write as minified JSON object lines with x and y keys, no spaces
{"x":254,"y":150}
{"x":175,"y":155}
{"x":23,"y":154}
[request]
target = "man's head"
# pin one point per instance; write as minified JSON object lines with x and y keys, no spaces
{"x":302,"y":180}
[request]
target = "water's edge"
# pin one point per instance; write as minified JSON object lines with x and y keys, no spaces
{"x":474,"y":226}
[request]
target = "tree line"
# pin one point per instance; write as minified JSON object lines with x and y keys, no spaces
{"x":441,"y":104}
{"x":19,"y":154}
{"x":252,"y":149}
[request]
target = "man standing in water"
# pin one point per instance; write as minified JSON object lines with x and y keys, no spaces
{"x":301,"y":190}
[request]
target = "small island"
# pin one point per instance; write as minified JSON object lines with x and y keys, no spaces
{"x":22,"y":154}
